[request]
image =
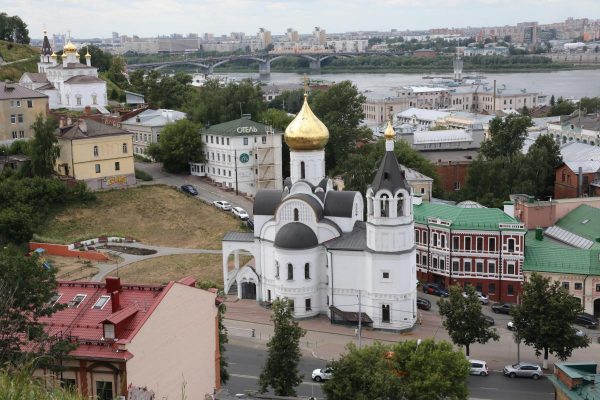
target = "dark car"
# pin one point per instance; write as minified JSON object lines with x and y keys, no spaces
{"x":189,"y":189}
{"x":489,"y":321}
{"x":435,"y":289}
{"x":587,"y":320}
{"x":250,"y":224}
{"x":502,"y":308}
{"x":423,"y":304}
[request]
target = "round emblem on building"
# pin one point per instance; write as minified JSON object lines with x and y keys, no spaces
{"x":244,"y":157}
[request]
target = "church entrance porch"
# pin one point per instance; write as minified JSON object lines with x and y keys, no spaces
{"x":248,"y":290}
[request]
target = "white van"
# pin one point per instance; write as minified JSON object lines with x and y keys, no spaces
{"x":478,"y":367}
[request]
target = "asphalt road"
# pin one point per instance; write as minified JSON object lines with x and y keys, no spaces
{"x":246,"y":360}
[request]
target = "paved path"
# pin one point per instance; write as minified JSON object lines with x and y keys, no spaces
{"x":206,"y":191}
{"x":105,"y":269}
{"x":327,"y":341}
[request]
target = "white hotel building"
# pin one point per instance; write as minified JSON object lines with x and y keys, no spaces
{"x":242,"y":155}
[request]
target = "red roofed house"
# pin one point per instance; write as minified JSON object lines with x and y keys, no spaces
{"x":162,"y":337}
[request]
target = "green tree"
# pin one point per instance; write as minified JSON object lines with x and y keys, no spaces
{"x":545,"y":317}
{"x":26,"y":290}
{"x":340,"y":109}
{"x":552,"y":101}
{"x":280,"y":372}
{"x":525,"y":111}
{"x":278,"y":119}
{"x":416,"y":370}
{"x":506,"y":136}
{"x":100,"y":59}
{"x":116,"y":72}
{"x":215,"y":103}
{"x":543,"y":157}
{"x":13,"y":29}
{"x":590,"y":104}
{"x":21,"y":384}
{"x":179,"y":144}
{"x":463,"y":318}
{"x":562,"y":107}
{"x":44,"y":147}
{"x":289,"y":100}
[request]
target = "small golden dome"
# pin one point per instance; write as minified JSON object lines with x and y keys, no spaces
{"x":88,"y":55}
{"x":306,"y":131}
{"x":69,"y":48}
{"x":389,"y":134}
{"x":53,"y":55}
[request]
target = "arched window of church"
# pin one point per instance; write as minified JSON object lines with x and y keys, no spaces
{"x":400,"y":205}
{"x":95,"y":151}
{"x":78,"y":99}
{"x":290,"y":272}
{"x":385,"y":313}
{"x":302,"y":170}
{"x":94,"y":99}
{"x":307,"y":271}
{"x":276,"y":269}
{"x":296,"y":215}
{"x":385,"y":204}
{"x":125,"y":148}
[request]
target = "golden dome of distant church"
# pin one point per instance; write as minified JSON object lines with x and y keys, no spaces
{"x":69,"y":48}
{"x":306,"y":131}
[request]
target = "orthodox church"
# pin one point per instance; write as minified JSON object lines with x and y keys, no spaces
{"x":68,"y":84}
{"x":311,"y":243}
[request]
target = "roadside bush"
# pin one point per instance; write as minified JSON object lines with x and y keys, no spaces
{"x":142,"y":175}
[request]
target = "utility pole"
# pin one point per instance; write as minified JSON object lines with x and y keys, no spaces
{"x":359,"y":322}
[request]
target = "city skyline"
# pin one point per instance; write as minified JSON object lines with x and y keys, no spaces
{"x":153,"y":17}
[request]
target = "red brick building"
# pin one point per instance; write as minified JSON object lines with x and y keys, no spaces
{"x":453,"y":174}
{"x":469,"y":244}
{"x":568,"y":185}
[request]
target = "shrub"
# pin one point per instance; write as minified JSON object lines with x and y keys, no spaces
{"x":142,"y":175}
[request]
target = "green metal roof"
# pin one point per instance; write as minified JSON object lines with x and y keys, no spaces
{"x":239,"y":127}
{"x":583,"y":221}
{"x":549,"y":255}
{"x":463,"y":218}
{"x":588,"y":389}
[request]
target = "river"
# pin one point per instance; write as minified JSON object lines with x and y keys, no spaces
{"x":576,"y":83}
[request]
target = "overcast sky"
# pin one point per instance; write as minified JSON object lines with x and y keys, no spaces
{"x":146,"y":18}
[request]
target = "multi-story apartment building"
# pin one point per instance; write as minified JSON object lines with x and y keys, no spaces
{"x":469,"y":244}
{"x":147,"y":125}
{"x":19,"y":106}
{"x":99,"y":155}
{"x":487,"y":99}
{"x":579,"y":173}
{"x":242,"y":155}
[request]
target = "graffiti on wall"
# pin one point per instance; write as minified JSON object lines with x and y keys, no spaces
{"x":115,"y":180}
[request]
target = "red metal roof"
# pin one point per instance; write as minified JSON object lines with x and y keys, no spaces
{"x":83,"y":323}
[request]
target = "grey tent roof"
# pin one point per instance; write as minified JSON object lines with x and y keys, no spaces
{"x":46,"y":49}
{"x":339,"y":204}
{"x":312,"y":202}
{"x":389,"y":175}
{"x":296,"y":236}
{"x":266,"y":201}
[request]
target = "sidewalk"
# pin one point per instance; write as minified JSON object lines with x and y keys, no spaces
{"x":328,"y":341}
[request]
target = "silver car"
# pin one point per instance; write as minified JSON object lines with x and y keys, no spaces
{"x":524,"y":370}
{"x":322,"y":374}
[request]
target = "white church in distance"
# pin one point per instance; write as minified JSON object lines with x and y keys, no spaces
{"x":311,"y":243}
{"x":68,"y":84}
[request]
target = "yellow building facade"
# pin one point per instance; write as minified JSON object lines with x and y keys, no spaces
{"x":19,"y":107}
{"x":99,"y":155}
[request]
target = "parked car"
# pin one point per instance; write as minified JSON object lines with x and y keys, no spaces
{"x":579,"y":332}
{"x":483,"y":299}
{"x":222,"y":204}
{"x":510,"y":325}
{"x":423,"y":304}
{"x":435,"y":289}
{"x":502,"y":308}
{"x":489,"y":321}
{"x":524,"y":370}
{"x":240,"y":213}
{"x":587,"y":320}
{"x":478,"y":367}
{"x":322,"y":374}
{"x":250,"y":224}
{"x":189,"y":189}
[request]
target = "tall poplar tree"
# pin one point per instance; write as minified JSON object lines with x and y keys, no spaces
{"x":44,"y":146}
{"x":281,"y":369}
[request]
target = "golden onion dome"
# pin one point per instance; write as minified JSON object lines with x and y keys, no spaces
{"x":88,"y":55}
{"x":389,"y":134}
{"x":53,"y":55}
{"x":69,"y":48}
{"x":306,"y":131}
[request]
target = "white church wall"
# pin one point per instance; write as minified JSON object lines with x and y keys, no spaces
{"x":259,"y":222}
{"x":390,"y":238}
{"x":326,"y":232}
{"x":314,"y":165}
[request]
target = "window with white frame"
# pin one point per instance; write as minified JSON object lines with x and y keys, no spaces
{"x":479,"y":266}
{"x":510,"y":268}
{"x":491,"y":267}
{"x":467,"y":265}
{"x":101,"y":302}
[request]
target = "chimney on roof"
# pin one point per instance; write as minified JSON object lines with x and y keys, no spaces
{"x":115,"y":301}
{"x":82,"y":125}
{"x":69,"y":121}
{"x":113,"y":284}
{"x":580,"y":182}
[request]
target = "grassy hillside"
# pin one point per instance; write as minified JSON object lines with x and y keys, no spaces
{"x":14,"y":52}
